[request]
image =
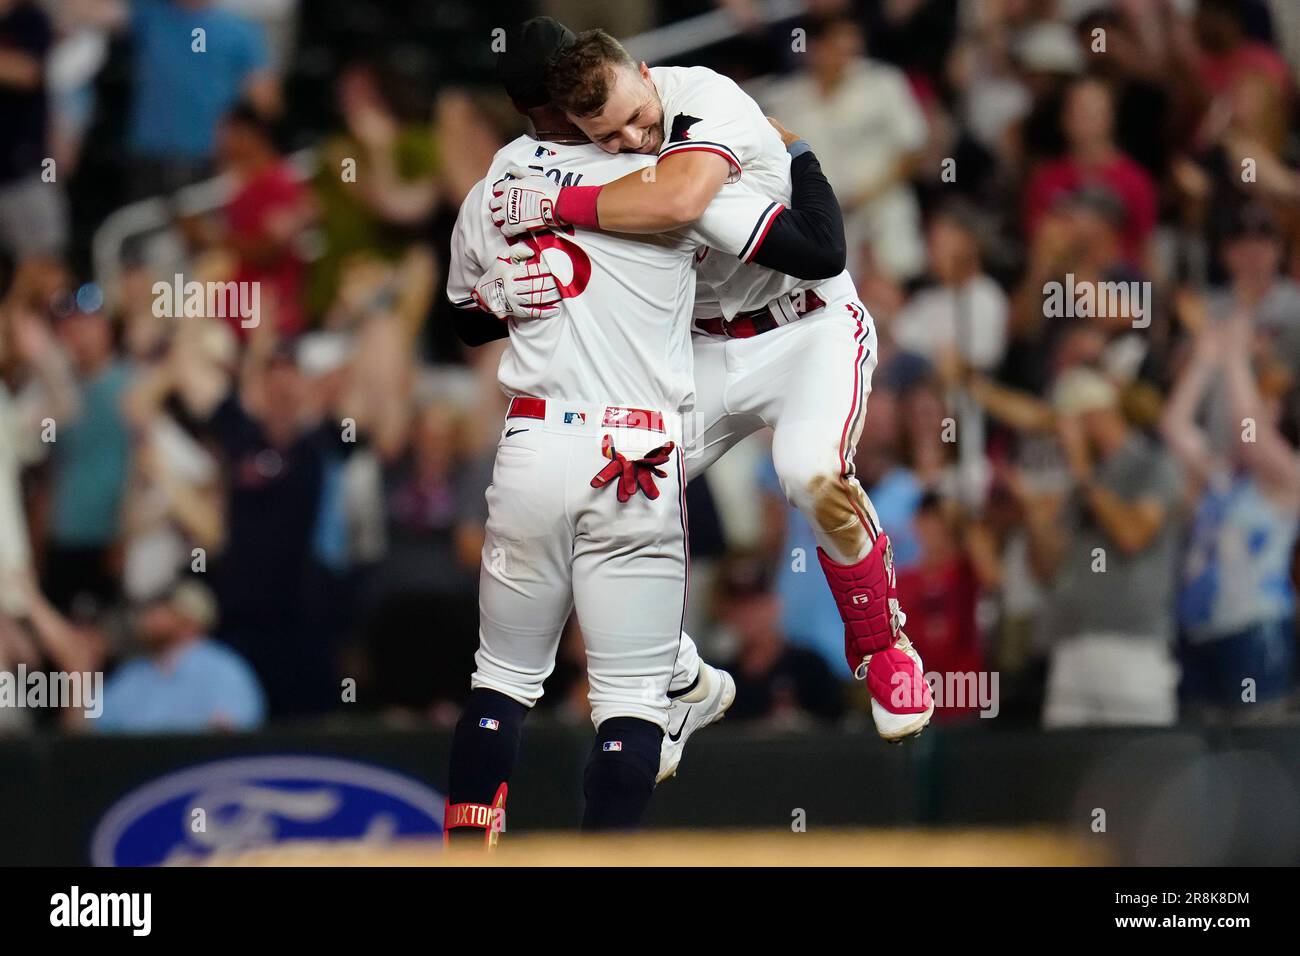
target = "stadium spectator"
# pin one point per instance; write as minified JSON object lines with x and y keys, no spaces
{"x":281,"y":460}
{"x":1144,"y":107}
{"x":775,"y":682}
{"x":1079,"y":246}
{"x":963,"y":314}
{"x":434,"y":512}
{"x":33,"y":211}
{"x":376,"y":184}
{"x":1226,"y":51}
{"x":1236,"y":601}
{"x":998,"y":543}
{"x":435,"y":508}
{"x":195,"y":53}
{"x":263,"y":221}
{"x":184,"y":681}
{"x":870,"y":160}
{"x":90,"y":463}
{"x":1109,"y":551}
{"x":1093,"y":159}
{"x":173,"y":500}
{"x":1252,"y":253}
{"x":36,"y":385}
{"x":939,"y":594}
{"x":1240,"y":157}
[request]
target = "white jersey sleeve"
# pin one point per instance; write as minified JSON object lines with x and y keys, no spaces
{"x":736,"y":221}
{"x":706,"y":111}
{"x":471,"y":252}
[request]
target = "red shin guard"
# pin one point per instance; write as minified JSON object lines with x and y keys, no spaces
{"x":868,"y":602}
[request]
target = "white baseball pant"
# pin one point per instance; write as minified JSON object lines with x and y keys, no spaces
{"x":809,"y":380}
{"x":555,"y":544}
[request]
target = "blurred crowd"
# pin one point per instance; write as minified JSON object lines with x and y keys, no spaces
{"x":1075,"y":224}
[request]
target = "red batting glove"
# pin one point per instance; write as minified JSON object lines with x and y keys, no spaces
{"x":631,"y":475}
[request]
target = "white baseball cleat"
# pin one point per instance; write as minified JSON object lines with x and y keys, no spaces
{"x":685,"y":717}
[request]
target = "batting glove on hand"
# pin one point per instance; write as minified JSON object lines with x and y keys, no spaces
{"x":519,"y":287}
{"x":633,"y":474}
{"x":526,"y":200}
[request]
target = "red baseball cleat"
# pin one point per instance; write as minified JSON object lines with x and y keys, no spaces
{"x":901,"y":702}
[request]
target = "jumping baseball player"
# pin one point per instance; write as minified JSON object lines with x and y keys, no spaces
{"x":599,"y":368}
{"x":770,"y":349}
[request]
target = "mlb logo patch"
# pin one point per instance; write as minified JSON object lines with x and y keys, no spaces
{"x":575,"y":418}
{"x":612,"y":745}
{"x":488,"y":723}
{"x":543,"y":151}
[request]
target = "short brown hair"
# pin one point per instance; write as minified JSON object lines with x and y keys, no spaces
{"x":579,"y":79}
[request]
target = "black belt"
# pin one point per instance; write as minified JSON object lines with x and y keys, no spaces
{"x":748,"y":324}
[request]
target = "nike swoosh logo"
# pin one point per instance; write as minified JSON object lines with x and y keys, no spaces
{"x":678,"y":736}
{"x":514,"y":431}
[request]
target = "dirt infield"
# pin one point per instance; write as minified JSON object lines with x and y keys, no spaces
{"x":1018,"y":847}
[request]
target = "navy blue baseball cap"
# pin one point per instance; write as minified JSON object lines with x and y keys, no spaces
{"x":530,"y":49}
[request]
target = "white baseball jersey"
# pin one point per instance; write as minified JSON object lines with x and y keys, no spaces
{"x":552,"y":542}
{"x":623,"y":335}
{"x":706,"y":111}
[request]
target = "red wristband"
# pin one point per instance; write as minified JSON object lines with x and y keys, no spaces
{"x":577,"y":206}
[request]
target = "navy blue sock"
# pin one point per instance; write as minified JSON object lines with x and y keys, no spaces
{"x":621,"y":773}
{"x":484,"y":750}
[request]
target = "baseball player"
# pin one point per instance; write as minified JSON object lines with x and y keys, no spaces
{"x":597,"y":396}
{"x":770,"y":349}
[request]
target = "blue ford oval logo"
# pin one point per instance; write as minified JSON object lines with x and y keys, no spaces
{"x":234,"y":805}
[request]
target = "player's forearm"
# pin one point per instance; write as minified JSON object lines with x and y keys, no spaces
{"x":1046,"y":543}
{"x":660,"y":198}
{"x":1178,"y":424}
{"x":1268,"y":455}
{"x":806,"y":240}
{"x":636,"y":205}
{"x":1130,"y":526}
{"x":1011,"y":407}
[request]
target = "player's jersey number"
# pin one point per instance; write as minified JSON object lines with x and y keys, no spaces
{"x":580,"y":271}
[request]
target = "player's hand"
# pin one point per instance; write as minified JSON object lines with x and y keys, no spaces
{"x":519,"y":287}
{"x":634,"y":474}
{"x":787,"y":137}
{"x":524,"y":202}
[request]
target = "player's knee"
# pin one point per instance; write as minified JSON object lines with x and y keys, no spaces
{"x":830,"y":499}
{"x":809,"y":481}
{"x":621,"y":772}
